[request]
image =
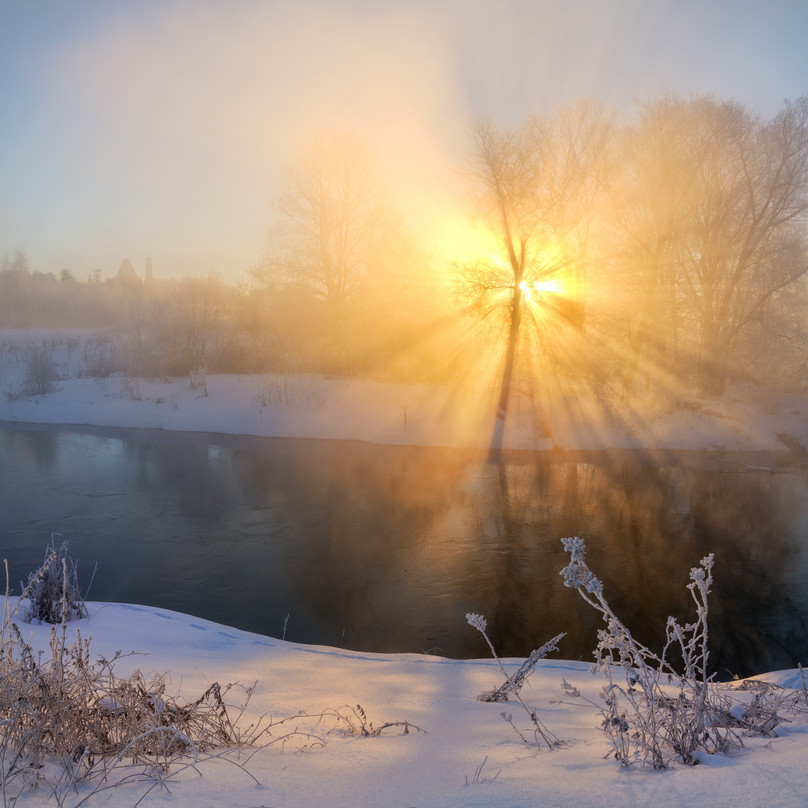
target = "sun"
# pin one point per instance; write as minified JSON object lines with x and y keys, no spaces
{"x":469,"y":252}
{"x":533,"y":291}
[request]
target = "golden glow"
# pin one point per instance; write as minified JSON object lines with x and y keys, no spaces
{"x":473,"y":255}
{"x":462,"y":243}
{"x":549,"y":286}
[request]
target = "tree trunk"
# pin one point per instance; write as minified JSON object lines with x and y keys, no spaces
{"x":713,"y":361}
{"x":495,"y":451}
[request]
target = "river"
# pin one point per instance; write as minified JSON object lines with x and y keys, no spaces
{"x":387,"y":548}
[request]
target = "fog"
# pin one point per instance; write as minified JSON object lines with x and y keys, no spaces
{"x":667,"y":251}
{"x":584,"y":198}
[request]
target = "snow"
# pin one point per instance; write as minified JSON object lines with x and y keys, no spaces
{"x":435,"y":768}
{"x":403,"y":414}
{"x":435,"y":694}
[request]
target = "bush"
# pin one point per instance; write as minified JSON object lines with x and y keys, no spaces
{"x":659,"y":714}
{"x":68,"y":719}
{"x":70,"y":727}
{"x":40,"y":374}
{"x":52,"y":594}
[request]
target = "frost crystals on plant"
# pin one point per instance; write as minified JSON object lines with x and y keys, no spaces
{"x":659,"y":714}
{"x":513,"y":683}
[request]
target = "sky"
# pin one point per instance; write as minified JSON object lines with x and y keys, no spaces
{"x":161,"y":128}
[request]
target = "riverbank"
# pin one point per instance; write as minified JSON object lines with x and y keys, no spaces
{"x":80,"y":391}
{"x":466,"y":756}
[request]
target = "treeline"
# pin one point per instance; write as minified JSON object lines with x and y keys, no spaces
{"x":32,"y":298}
{"x":177,"y":327}
{"x":665,"y":251}
{"x":681,"y":237}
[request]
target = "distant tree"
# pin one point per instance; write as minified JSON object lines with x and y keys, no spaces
{"x":15,"y":289}
{"x":194,"y":320}
{"x":19,"y":263}
{"x":580,"y":137}
{"x":327,"y":216}
{"x":650,"y":193}
{"x":335,"y":236}
{"x":773,"y":348}
{"x":745,"y":240}
{"x":31,"y":298}
{"x":715,"y":220}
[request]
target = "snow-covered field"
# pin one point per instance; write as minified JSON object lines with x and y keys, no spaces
{"x":437,"y":767}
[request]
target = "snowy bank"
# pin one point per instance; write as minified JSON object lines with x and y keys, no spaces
{"x":435,"y":694}
{"x":308,"y":406}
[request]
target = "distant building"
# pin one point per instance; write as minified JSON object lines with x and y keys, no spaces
{"x":126,"y":275}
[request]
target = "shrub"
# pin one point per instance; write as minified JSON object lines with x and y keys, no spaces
{"x":658,"y":714}
{"x":130,"y":389}
{"x":292,"y":392}
{"x":52,"y":594}
{"x":40,"y":373}
{"x":101,"y":357}
{"x":70,"y":727}
{"x":67,"y":719}
{"x":198,"y":377}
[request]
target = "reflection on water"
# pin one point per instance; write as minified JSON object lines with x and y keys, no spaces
{"x":387,"y":548}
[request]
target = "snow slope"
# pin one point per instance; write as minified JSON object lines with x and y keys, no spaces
{"x":426,"y":770}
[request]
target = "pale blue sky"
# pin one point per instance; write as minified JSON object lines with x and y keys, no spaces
{"x":160,"y":127}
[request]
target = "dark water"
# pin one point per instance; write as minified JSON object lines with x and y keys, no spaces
{"x":387,"y":548}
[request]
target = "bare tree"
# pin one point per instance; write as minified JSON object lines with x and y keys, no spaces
{"x":536,"y":184}
{"x":712,"y":204}
{"x":327,"y":216}
{"x":507,"y":167}
{"x":191,"y":323}
{"x":336,"y":238}
{"x":746,"y":239}
{"x":650,"y":193}
{"x":580,"y":137}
